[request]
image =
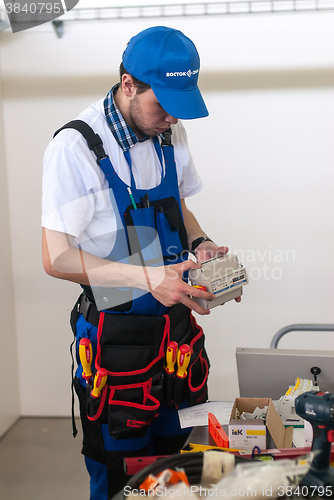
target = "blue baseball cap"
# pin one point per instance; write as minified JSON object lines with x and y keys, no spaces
{"x":168,"y":61}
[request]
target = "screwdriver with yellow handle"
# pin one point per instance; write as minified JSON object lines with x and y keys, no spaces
{"x":100,"y":380}
{"x":183,"y":360}
{"x":171,"y":355}
{"x":86,"y":358}
{"x":200,"y":287}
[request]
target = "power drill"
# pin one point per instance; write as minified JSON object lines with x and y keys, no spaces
{"x":318,"y":408}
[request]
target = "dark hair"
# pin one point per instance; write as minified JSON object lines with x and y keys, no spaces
{"x":141,"y":86}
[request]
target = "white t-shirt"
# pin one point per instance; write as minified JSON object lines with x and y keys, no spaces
{"x":76,"y":198}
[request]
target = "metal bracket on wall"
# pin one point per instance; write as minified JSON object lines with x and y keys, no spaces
{"x":59,"y":27}
{"x":199,"y":9}
{"x":3,"y":25}
{"x":3,"y":20}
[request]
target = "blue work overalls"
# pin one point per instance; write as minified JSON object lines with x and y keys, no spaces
{"x":105,"y":444}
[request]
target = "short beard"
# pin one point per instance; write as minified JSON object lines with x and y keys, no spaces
{"x":135,"y":114}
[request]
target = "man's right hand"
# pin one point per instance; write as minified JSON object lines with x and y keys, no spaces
{"x":167,"y":286}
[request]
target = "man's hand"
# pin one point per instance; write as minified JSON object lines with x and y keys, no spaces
{"x":167,"y":286}
{"x":208,"y":250}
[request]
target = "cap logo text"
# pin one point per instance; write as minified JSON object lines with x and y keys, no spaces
{"x":188,"y":73}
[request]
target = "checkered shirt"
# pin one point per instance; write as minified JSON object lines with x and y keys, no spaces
{"x":123,"y":134}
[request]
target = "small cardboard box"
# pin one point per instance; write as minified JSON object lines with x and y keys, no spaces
{"x":245,"y":434}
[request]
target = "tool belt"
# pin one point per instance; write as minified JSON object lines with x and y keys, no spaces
{"x":132,"y":348}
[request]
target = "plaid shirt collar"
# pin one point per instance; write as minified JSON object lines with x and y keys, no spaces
{"x":123,"y":134}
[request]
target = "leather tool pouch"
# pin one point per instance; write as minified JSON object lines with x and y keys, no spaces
{"x":133,"y":353}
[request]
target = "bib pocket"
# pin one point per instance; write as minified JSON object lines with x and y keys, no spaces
{"x":169,"y":236}
{"x":143,"y":236}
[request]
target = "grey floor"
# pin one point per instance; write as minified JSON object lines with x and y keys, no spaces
{"x":40,"y":460}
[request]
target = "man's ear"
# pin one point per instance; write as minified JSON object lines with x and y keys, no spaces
{"x":128,"y":87}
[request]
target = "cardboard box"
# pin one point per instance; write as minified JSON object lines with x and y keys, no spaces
{"x":245,"y":434}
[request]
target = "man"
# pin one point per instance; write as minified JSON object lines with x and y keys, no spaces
{"x":115,"y":221}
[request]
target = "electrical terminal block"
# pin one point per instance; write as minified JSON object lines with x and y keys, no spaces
{"x":223,"y":276}
{"x":286,"y":404}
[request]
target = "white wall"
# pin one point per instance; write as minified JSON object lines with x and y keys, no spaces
{"x":10,"y":406}
{"x":272,"y":186}
{"x":265,"y":155}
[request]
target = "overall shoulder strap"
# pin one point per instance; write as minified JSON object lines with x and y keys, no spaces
{"x":93,"y":140}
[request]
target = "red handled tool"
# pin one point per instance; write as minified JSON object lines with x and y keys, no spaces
{"x":86,"y":358}
{"x":171,"y":355}
{"x":183,"y":360}
{"x":200,"y":287}
{"x":99,"y":382}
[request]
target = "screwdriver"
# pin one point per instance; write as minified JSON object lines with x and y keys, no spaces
{"x":86,"y":357}
{"x":183,"y":360}
{"x":200,"y":287}
{"x":171,"y":357}
{"x":99,"y":382}
{"x":171,"y":354}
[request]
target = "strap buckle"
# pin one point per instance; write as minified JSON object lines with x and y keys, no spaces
{"x":167,"y":138}
{"x":95,"y":144}
{"x":85,"y":306}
